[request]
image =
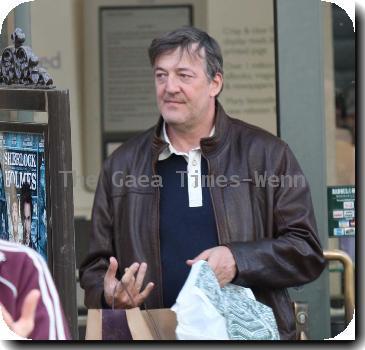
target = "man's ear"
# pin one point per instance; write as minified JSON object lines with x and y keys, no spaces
{"x":216,"y":85}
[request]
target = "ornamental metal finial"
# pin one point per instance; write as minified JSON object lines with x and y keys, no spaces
{"x":19,"y":66}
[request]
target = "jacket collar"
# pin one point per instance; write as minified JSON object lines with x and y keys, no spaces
{"x":210,"y":146}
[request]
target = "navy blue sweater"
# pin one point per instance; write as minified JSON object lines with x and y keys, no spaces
{"x":184,"y":232}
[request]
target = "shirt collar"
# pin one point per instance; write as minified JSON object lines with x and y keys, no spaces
{"x":171,"y":149}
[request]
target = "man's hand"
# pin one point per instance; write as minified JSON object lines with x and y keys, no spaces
{"x":25,"y":324}
{"x":221,"y":260}
{"x":129,"y":282}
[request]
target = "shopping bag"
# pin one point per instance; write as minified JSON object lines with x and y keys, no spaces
{"x":205,"y":311}
{"x":130,"y":324}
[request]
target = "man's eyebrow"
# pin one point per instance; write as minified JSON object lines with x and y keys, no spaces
{"x":185,"y":69}
{"x":159,"y":68}
{"x":182,"y":69}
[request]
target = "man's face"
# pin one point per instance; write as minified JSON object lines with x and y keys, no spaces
{"x":14,"y":215}
{"x":27,"y":219}
{"x":184,"y":92}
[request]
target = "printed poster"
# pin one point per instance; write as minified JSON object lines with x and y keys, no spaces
{"x":23,"y":189}
{"x":341,"y":211}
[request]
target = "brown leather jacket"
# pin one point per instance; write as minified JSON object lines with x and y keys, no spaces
{"x":269,"y":225}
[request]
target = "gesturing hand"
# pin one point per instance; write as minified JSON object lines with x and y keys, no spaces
{"x":25,"y":324}
{"x":221,"y":260}
{"x":129,"y":287}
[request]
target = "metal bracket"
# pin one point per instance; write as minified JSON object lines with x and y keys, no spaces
{"x":301,"y":320}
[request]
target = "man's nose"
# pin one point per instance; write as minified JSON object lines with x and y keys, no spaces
{"x":172,"y":85}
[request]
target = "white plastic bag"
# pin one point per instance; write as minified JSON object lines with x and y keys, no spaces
{"x":197,"y":318}
{"x":204,"y":311}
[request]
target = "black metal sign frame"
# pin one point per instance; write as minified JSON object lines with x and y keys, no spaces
{"x":59,"y":194}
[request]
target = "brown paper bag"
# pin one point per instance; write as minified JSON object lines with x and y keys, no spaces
{"x":93,"y":325}
{"x":156,"y":324}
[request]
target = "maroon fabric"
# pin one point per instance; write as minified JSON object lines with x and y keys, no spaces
{"x":22,"y":269}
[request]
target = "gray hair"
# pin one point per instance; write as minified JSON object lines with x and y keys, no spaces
{"x":184,"y":38}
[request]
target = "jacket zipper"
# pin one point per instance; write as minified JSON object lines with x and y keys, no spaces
{"x":158,"y":233}
{"x":212,"y":199}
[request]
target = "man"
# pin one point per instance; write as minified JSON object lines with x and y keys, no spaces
{"x":29,"y":301}
{"x":14,"y":214}
{"x":255,"y":235}
{"x":26,"y":210}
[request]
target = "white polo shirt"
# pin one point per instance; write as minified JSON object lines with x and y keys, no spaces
{"x":193,"y":168}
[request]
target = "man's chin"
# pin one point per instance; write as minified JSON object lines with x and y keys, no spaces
{"x":172,"y":119}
